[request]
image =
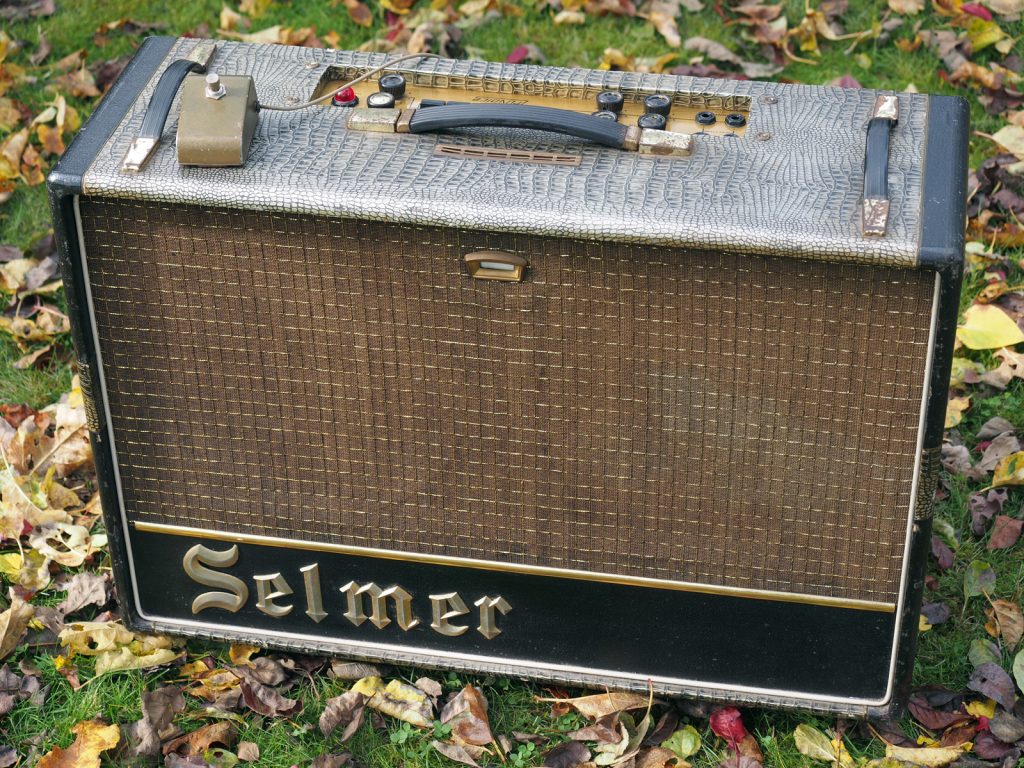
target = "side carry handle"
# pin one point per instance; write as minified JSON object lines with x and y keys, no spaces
{"x":884,"y":117}
{"x":145,"y":144}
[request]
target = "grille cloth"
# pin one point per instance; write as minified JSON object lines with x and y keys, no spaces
{"x":700,"y":416}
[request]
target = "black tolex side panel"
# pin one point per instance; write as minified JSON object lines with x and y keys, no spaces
{"x":651,"y":632}
{"x":64,"y":185}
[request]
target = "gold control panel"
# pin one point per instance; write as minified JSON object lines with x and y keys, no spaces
{"x":690,"y":113}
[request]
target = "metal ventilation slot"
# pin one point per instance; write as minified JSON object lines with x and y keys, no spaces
{"x":508,"y":155}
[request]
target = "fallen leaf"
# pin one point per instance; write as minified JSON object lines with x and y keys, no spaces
{"x":454,"y":752}
{"x":567,"y":755}
{"x":935,"y":613}
{"x":930,"y":757}
{"x":222,"y":733}
{"x":978,"y":579}
{"x":241,"y":654}
{"x":659,"y":757}
{"x":983,"y":506}
{"x":604,"y":730}
{"x":144,"y":737}
{"x":353,"y":670}
{"x":1007,"y":728}
{"x":133,"y":656}
{"x":601,"y":704}
{"x":266,"y":701}
{"x":13,"y":623}
{"x":991,"y":680}
{"x":1011,"y":138}
{"x":1005,"y":532}
{"x":932,"y":718}
{"x":347,"y":710}
{"x":683,"y":743}
{"x":727,"y":723}
{"x":359,"y":12}
{"x":955,"y":408}
{"x":986,"y":326}
{"x":85,"y":589}
{"x":662,"y":16}
{"x":248,"y":751}
{"x":906,"y":7}
{"x":467,"y":714}
{"x":1009,"y":471}
{"x":998,"y":449}
{"x":1018,"y":669}
{"x":91,"y":738}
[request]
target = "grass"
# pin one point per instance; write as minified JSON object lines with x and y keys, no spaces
{"x":942,"y":657}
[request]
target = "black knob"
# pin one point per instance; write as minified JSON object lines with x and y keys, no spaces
{"x":380,"y":100}
{"x":609,"y":101}
{"x":651,"y":120}
{"x":735,"y":120}
{"x":657,"y":104}
{"x":605,"y":114}
{"x":705,"y":118}
{"x":393,"y":84}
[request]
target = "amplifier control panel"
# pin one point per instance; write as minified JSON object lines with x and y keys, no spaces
{"x":681,"y":113}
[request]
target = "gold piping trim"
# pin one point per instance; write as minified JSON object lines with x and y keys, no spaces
{"x":536,"y":570}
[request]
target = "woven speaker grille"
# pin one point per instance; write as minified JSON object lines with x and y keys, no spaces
{"x":700,"y":416}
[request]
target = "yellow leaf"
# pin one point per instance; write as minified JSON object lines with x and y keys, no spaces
{"x":930,"y":757}
{"x":91,"y":638}
{"x":92,"y":738}
{"x":11,"y":150}
{"x":955,"y":410}
{"x":401,"y":700}
{"x":10,"y":565}
{"x":1011,"y":138}
{"x":986,"y":708}
{"x":1009,"y":471}
{"x":988,"y":327}
{"x":241,"y":654}
{"x":813,"y":743}
{"x":922,"y":624}
{"x":126,"y":657}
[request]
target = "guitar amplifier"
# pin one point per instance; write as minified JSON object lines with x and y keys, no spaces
{"x":603,"y":378}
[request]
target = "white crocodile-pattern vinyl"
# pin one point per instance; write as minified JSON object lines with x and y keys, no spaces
{"x":796,"y":192}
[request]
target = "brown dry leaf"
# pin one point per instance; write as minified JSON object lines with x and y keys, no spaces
{"x":213,"y":682}
{"x":1005,"y":532}
{"x":662,"y":16}
{"x":397,"y":699}
{"x":467,"y":715}
{"x":10,"y":115}
{"x":1005,"y":620}
{"x":11,"y":150}
{"x":72,"y":449}
{"x":266,"y":701}
{"x":223,"y":733}
{"x":84,"y":589}
{"x":346,"y":710}
{"x":248,"y":751}
{"x":659,"y":757}
{"x":92,"y":738}
{"x":601,"y":704}
{"x":229,"y":19}
{"x":454,"y":752}
{"x":359,"y":12}
{"x":13,"y":623}
{"x":79,"y":82}
{"x":144,"y":737}
{"x":42,"y":51}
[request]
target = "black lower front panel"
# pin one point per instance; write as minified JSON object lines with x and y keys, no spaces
{"x":368,"y":601}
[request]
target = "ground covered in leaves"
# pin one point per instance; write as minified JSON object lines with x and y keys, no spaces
{"x":78,"y":689}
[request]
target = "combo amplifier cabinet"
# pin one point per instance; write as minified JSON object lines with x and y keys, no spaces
{"x":595,"y":377}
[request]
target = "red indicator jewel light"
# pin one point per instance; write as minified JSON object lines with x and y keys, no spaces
{"x":345,"y":98}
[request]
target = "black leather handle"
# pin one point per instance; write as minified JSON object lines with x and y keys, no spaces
{"x":163,"y":96}
{"x":596,"y":129}
{"x":876,"y":159}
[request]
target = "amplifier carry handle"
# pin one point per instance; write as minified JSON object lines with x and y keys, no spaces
{"x":875,"y":214}
{"x":439,"y":118}
{"x":145,"y":144}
